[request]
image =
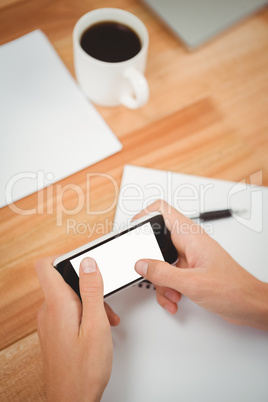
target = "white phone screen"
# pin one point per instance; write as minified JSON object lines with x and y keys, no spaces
{"x":116,"y":258}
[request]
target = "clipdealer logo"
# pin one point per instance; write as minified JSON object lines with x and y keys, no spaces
{"x":51,"y":199}
{"x":251,"y":190}
{"x":186,"y":197}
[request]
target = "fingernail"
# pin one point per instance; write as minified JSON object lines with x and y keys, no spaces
{"x":168,"y":308}
{"x":172,"y":296}
{"x":141,"y":267}
{"x":88,"y":265}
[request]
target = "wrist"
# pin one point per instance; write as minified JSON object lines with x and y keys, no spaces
{"x":84,"y":394}
{"x":261,"y":320}
{"x":256,"y":312}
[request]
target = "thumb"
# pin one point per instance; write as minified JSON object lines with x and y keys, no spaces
{"x":163,"y":274}
{"x":91,"y":291}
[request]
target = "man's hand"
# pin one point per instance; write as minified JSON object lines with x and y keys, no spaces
{"x":75,"y":338}
{"x":205,"y":273}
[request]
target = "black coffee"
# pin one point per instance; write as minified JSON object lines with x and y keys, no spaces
{"x":110,"y":41}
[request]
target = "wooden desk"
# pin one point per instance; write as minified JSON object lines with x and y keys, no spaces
{"x":207,"y":115}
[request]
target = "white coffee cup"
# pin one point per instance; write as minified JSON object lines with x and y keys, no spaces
{"x":107,"y":83}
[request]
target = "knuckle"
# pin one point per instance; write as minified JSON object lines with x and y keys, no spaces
{"x":39,"y":264}
{"x":193,"y":290}
{"x":53,"y":302}
{"x":54,"y":307}
{"x":195,"y":286}
{"x":159,"y":299}
{"x":89,"y":288}
{"x":157,"y":272}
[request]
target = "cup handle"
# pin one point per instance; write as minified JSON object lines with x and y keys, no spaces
{"x":140,"y":88}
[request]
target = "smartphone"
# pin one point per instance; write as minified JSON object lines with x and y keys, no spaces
{"x":117,"y":253}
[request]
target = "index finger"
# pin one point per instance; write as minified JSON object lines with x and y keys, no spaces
{"x":181,"y":227}
{"x":52,"y":283}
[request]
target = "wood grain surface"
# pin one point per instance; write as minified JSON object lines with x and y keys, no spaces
{"x":207,"y":115}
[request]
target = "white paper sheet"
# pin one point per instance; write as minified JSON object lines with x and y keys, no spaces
{"x":194,"y":355}
{"x":48,"y":130}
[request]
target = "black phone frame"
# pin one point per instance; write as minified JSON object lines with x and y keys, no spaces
{"x":163,"y":237}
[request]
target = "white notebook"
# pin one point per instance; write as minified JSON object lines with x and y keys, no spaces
{"x":48,"y":130}
{"x":196,"y":22}
{"x":194,"y":355}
